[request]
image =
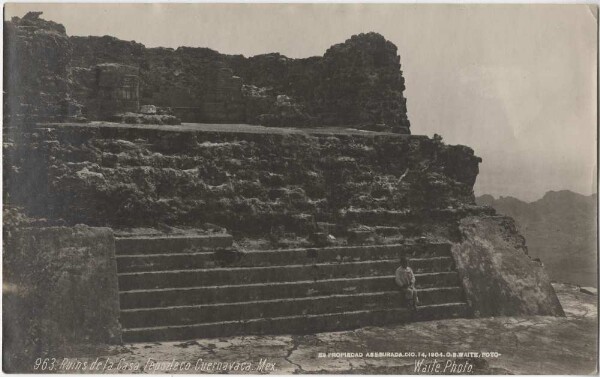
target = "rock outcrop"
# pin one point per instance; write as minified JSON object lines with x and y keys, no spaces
{"x":499,"y":278}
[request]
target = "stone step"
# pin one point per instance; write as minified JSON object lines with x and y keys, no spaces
{"x":297,"y":324}
{"x":170,"y":244}
{"x":180,"y":261}
{"x":378,"y":217}
{"x":148,"y":298}
{"x":194,"y":314}
{"x":388,"y":230}
{"x":180,"y":315}
{"x":249,"y":275}
{"x":403,"y":217}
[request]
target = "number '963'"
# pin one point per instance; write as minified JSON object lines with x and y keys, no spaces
{"x":45,"y":363}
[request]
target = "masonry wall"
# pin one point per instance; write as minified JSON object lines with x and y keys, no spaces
{"x":246,"y":182}
{"x":356,"y":83}
{"x":60,"y":291}
{"x":36,"y":78}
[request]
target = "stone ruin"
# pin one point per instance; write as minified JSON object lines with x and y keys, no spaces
{"x":116,"y":90}
{"x":40,"y":89}
{"x":357,"y":83}
{"x":252,"y":229}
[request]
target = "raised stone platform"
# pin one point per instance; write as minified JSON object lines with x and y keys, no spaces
{"x":276,"y":188}
{"x":248,"y":179}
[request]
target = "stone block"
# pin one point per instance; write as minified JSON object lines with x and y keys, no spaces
{"x":498,"y":276}
{"x":359,"y":237}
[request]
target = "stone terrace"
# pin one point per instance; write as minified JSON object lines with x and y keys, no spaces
{"x":249,"y":180}
{"x":371,"y":196}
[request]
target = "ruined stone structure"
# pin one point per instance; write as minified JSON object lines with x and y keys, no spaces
{"x":117,"y":89}
{"x":357,"y":83}
{"x":380,"y":195}
{"x":298,"y":229}
{"x":114,"y":90}
{"x":39,"y":89}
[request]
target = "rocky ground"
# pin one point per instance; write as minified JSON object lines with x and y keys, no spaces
{"x":525,"y":345}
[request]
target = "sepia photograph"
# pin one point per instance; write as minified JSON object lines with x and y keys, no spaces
{"x":302,"y":188}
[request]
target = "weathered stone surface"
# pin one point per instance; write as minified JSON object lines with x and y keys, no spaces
{"x":264,"y":107}
{"x":135,"y":118}
{"x":247,"y":182}
{"x":498,"y":275}
{"x":362,"y":84}
{"x":37,"y":53}
{"x":356,"y":83}
{"x":63,"y":292}
{"x":148,"y":109}
{"x":116,"y":90}
{"x":195,"y":82}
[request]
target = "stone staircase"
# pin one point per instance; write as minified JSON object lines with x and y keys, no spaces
{"x":186,"y":287}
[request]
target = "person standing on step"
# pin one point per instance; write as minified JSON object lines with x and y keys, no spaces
{"x":405,"y":280}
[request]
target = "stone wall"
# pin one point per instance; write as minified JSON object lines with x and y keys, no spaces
{"x":36,"y":80}
{"x":498,"y":275}
{"x":116,"y":90}
{"x":356,"y":83}
{"x":60,"y":291}
{"x":243,"y":180}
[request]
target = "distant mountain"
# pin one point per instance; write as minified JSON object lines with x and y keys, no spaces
{"x":560,"y":229}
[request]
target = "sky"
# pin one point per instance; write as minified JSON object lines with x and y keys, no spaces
{"x":517,"y":83}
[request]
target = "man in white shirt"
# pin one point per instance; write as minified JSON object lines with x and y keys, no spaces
{"x":405,"y":279}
